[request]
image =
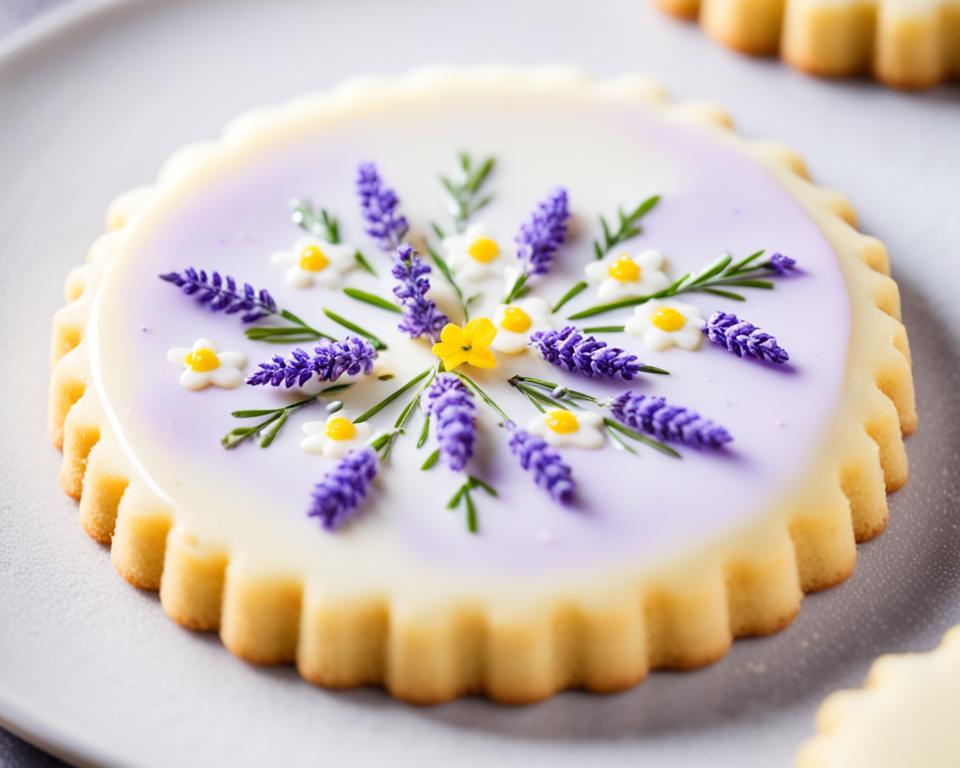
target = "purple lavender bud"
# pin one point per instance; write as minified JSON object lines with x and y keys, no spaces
{"x":568,"y":349}
{"x":378,"y":203}
{"x":223,"y":294}
{"x":549,"y":470}
{"x":743,"y":339}
{"x":330,"y":360}
{"x":452,"y":406}
{"x":541,"y":236}
{"x":420,"y":314}
{"x":781,"y":264}
{"x":341,"y":490}
{"x":656,"y":417}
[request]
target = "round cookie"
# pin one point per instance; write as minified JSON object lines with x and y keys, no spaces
{"x":594,"y":531}
{"x":903,"y":43}
{"x":905,"y":714}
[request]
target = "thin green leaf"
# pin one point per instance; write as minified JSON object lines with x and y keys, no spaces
{"x":642,"y":438}
{"x":271,"y":435}
{"x":364,"y":264}
{"x":373,"y":300}
{"x":350,"y":326}
{"x":424,"y":431}
{"x":432,"y":459}
{"x":576,"y":290}
{"x":604,"y":329}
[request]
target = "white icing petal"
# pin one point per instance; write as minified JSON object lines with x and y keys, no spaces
{"x":514,"y":342}
{"x":340,"y":260}
{"x":466,"y":268}
{"x":689,"y":337}
{"x":318,"y":441}
{"x":228,"y":372}
{"x":651,"y":278}
{"x":589,"y":433}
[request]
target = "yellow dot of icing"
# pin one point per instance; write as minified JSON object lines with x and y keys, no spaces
{"x":515,"y":320}
{"x":668,"y":319}
{"x":562,"y":422}
{"x":339,"y":428}
{"x":484,"y":250}
{"x":624,"y":269}
{"x":312,"y":259}
{"x":202,"y":360}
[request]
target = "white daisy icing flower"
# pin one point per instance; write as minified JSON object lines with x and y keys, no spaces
{"x":663,"y":324}
{"x":203,"y":365}
{"x":515,"y":322}
{"x":312,"y":261}
{"x":335,"y":436}
{"x":561,"y":428}
{"x":621,"y":274}
{"x":474,"y":255}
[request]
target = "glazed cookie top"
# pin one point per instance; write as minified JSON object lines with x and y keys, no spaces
{"x":605,"y":481}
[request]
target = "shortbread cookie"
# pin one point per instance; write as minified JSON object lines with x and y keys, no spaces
{"x":537,"y":383}
{"x":906,"y":715}
{"x":904,"y":43}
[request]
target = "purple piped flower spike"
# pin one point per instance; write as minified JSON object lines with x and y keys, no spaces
{"x":549,"y":470}
{"x":339,"y":493}
{"x":781,"y":264}
{"x":744,"y":339}
{"x":420,"y":314}
{"x":455,"y":413}
{"x":656,"y":417}
{"x":379,"y":203}
{"x":221,"y":293}
{"x":330,"y":360}
{"x":541,"y":236}
{"x":568,"y":349}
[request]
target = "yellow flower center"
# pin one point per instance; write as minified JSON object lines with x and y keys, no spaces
{"x":312,"y":259}
{"x":515,"y":320}
{"x":624,"y":269}
{"x":562,"y":422}
{"x":484,"y":250}
{"x":470,"y":344}
{"x":668,"y":319}
{"x":339,"y":428}
{"x":202,"y":360}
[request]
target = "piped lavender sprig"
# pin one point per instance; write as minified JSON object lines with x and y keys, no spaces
{"x":339,"y":493}
{"x":330,"y":360}
{"x":379,"y":205}
{"x":781,"y":264}
{"x":222,"y":293}
{"x":572,"y":351}
{"x":452,"y":407}
{"x":657,"y":417}
{"x":545,"y":464}
{"x":539,"y":239}
{"x":420,"y":314}
{"x":744,"y":339}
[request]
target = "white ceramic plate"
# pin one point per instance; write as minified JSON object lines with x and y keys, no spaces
{"x":93,"y":98}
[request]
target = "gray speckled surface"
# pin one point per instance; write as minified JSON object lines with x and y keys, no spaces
{"x":92,"y":667}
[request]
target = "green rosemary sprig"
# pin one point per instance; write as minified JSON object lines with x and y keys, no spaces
{"x":273,"y":419}
{"x":627,"y":227}
{"x":297,"y":332}
{"x":715,"y":279}
{"x":373,"y":300}
{"x":350,"y":326}
{"x":323,"y":224}
{"x":604,"y":329}
{"x":465,"y":191}
{"x":544,"y":394}
{"x":397,"y":393}
{"x":483,"y":396}
{"x":383,"y":444}
{"x":464,"y":495}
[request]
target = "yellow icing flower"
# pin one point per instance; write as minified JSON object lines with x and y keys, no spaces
{"x":470,"y":344}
